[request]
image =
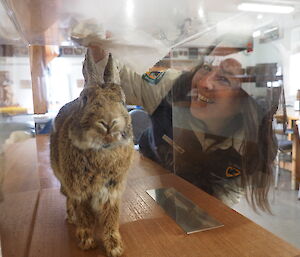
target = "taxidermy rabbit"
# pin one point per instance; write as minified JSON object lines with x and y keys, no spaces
{"x":91,"y":148}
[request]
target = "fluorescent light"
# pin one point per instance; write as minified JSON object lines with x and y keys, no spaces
{"x":201,"y":13}
{"x":254,"y":7}
{"x":129,"y":8}
{"x":270,"y":30}
{"x":256,"y":33}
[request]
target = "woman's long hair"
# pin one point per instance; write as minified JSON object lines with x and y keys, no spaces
{"x":259,"y":146}
{"x":259,"y":152}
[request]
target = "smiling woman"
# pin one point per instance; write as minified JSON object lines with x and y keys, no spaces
{"x":226,"y":136}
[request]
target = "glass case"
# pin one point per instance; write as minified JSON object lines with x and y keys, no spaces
{"x":216,"y":83}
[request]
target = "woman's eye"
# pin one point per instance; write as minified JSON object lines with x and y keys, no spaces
{"x":223,"y":80}
{"x":206,"y":67}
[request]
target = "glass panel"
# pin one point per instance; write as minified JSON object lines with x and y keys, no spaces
{"x":220,"y":92}
{"x":225,"y":110}
{"x":19,"y":179}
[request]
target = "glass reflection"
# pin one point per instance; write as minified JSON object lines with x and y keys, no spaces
{"x":210,"y":100}
{"x":210,"y":125}
{"x":18,"y":167}
{"x":226,"y":133}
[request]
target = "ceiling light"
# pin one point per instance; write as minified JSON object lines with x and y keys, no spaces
{"x":255,"y":7}
{"x":201,"y":13}
{"x":256,"y":33}
{"x":129,"y":8}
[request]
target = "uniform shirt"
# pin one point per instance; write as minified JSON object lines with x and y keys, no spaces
{"x":216,"y":169}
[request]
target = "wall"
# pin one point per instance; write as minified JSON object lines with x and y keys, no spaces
{"x":65,"y":81}
{"x":19,"y":74}
{"x":280,"y":52}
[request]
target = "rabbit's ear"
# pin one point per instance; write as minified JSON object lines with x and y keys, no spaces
{"x":89,"y":71}
{"x":108,"y":75}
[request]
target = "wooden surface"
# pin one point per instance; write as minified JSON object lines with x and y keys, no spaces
{"x":35,"y":224}
{"x":21,"y":167}
{"x":21,"y":190}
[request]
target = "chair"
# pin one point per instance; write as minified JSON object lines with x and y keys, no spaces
{"x":285,"y":146}
{"x":46,"y":129}
{"x":140,"y":122}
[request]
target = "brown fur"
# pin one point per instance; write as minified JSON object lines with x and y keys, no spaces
{"x":91,"y":150}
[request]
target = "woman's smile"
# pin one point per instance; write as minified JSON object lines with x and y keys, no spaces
{"x":198,"y":97}
{"x":204,"y":99}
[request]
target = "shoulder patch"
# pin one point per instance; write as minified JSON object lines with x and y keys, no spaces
{"x":153,"y":77}
{"x":232,"y":171}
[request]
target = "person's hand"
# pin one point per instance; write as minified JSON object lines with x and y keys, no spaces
{"x":98,"y":53}
{"x":90,"y":34}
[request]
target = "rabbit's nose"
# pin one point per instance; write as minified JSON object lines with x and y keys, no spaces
{"x":102,"y":125}
{"x":106,"y":126}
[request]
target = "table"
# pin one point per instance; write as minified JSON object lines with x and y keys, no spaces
{"x":12,"y":110}
{"x":292,"y":115}
{"x":34,"y":221}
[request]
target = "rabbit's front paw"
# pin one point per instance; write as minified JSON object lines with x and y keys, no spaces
{"x":114,"y":245}
{"x":71,"y":216}
{"x":85,"y":237}
{"x":71,"y":220}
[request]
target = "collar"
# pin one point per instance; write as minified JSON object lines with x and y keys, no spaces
{"x":182,"y":118}
{"x":235,"y":141}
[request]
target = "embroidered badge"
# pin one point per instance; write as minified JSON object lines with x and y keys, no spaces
{"x":153,"y":77}
{"x":232,"y":172}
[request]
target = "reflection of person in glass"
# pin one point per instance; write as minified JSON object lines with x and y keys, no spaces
{"x":205,"y":127}
{"x":6,"y":95}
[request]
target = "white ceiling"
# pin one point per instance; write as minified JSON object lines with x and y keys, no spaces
{"x":219,"y":17}
{"x":223,"y":17}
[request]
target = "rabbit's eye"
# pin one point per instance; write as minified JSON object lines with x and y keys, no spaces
{"x":84,"y":100}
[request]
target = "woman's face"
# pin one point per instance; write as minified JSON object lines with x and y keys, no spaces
{"x":216,"y":91}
